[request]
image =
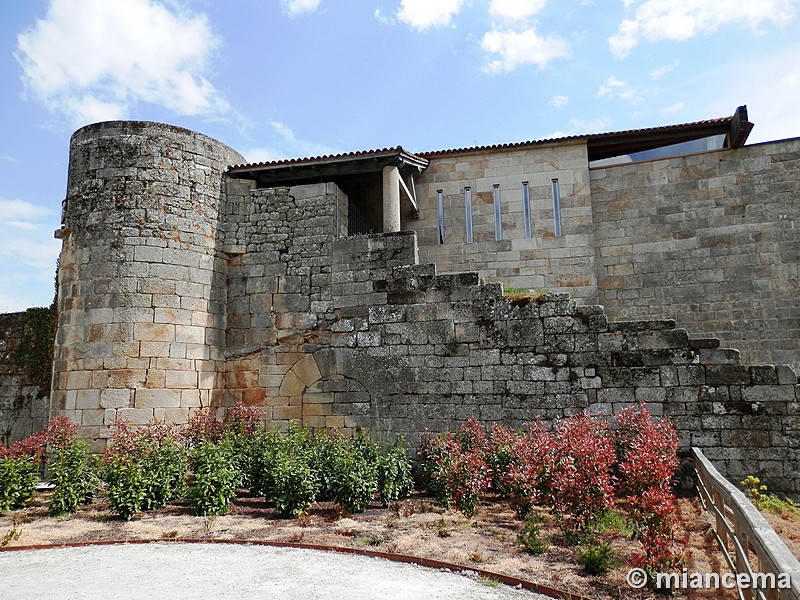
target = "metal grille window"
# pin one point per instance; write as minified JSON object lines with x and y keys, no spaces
{"x":468,"y":213}
{"x":498,"y":225}
{"x":440,"y":213}
{"x":556,"y":209}
{"x":526,"y":209}
{"x":357,"y":222}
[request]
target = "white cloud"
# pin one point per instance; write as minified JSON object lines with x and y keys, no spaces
{"x":674,"y":108}
{"x":515,"y":10}
{"x":658,"y":73}
{"x":287,"y":145}
{"x":680,"y":20}
{"x":559,"y":101}
{"x":298,"y":7}
{"x":611,"y":84}
{"x":521,"y":48}
{"x":28,"y":255}
{"x":383,"y":19}
{"x":770,"y":91}
{"x":94,"y":60}
{"x":424,"y":14}
{"x":616,"y":88}
{"x":583,"y":127}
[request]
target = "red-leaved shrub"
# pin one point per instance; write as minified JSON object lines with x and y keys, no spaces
{"x":582,"y":486}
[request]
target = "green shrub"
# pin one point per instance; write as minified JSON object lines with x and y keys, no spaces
{"x":125,"y":484}
{"x":763,"y":500}
{"x":598,"y":559}
{"x":261,"y":451}
{"x":145,"y":467}
{"x":325,"y":454}
{"x":164,"y":466}
{"x":394,"y":472}
{"x":530,"y":537}
{"x":354,"y":482}
{"x":18,"y":478}
{"x":74,"y":471}
{"x":215,"y":477}
{"x":365,"y":446}
{"x":291,"y":484}
{"x":611,"y":520}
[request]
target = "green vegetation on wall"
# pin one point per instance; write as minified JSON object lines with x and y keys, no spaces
{"x":35,"y":349}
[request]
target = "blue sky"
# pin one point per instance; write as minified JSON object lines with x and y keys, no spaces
{"x":288,"y":78}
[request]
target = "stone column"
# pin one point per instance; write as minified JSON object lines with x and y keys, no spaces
{"x":391,"y":199}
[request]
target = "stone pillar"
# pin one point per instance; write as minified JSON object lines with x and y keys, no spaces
{"x":391,"y":199}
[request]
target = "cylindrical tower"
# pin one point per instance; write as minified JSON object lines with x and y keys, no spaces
{"x":141,"y":283}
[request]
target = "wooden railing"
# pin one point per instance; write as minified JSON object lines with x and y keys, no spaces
{"x":740,"y":530}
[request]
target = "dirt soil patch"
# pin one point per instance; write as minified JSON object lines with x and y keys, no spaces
{"x":414,"y":526}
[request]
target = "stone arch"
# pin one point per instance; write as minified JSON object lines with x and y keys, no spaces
{"x":337,"y":387}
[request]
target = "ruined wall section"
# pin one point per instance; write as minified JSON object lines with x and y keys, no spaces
{"x":141,"y":303}
{"x":26,"y":342}
{"x":443,"y":347}
{"x":543,"y":261}
{"x":279,"y":300}
{"x":710,"y":240}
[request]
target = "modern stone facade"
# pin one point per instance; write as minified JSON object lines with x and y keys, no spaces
{"x":709,"y":239}
{"x":186,"y":283}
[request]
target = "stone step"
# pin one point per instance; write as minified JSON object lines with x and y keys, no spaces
{"x":648,"y":325}
{"x":703,"y":343}
{"x":719,"y":356}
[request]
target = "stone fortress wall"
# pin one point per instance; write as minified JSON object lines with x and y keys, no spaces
{"x":708,"y":239}
{"x":180,"y":287}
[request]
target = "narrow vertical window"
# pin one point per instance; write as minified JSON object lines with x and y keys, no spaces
{"x":526,"y":209}
{"x":440,"y":213}
{"x":468,"y":213}
{"x":498,"y":225}
{"x":556,"y":209}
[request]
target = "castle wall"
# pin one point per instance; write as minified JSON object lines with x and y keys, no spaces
{"x":544,"y":260}
{"x":280,"y":243}
{"x":180,"y":287}
{"x":141,"y":282}
{"x":414,"y":350}
{"x":709,"y":240}
{"x":26,"y":340}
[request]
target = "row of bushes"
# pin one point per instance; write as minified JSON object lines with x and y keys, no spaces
{"x":205,"y":461}
{"x":578,"y":468}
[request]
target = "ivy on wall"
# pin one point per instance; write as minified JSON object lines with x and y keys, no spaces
{"x":34,"y":352}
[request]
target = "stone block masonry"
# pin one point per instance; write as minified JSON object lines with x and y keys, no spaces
{"x":25,"y":340}
{"x":710,"y":240}
{"x":141,"y":279}
{"x":181,"y":287}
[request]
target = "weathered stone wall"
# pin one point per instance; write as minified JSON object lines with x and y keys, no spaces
{"x":279,"y":286}
{"x":707,"y":239}
{"x":710,"y":240}
{"x":442,"y":347}
{"x":24,"y":375}
{"x":181,"y":288}
{"x":141,"y":281}
{"x":544,"y":260}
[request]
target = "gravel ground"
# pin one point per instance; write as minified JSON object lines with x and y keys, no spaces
{"x":230,"y":572}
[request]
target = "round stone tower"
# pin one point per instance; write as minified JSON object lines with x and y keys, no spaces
{"x":140,"y":279}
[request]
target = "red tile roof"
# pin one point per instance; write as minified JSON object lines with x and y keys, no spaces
{"x":600,"y":144}
{"x":359,"y":154}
